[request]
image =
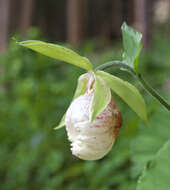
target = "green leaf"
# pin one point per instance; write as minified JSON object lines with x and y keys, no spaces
{"x":156,"y":175}
{"x":127,"y":92}
{"x":58,"y":52}
{"x":132,"y":46}
{"x":101,"y":98}
{"x":82,"y":84}
{"x":62,"y":123}
{"x":81,"y":88}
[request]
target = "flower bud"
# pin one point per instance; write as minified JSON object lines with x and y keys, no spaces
{"x":91,"y":140}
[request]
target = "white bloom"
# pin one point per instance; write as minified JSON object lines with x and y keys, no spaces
{"x":91,"y":140}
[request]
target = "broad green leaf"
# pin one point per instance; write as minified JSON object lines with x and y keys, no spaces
{"x":101,"y":98}
{"x":156,"y":175}
{"x":132,"y":46}
{"x":81,"y":88}
{"x":127,"y":92}
{"x":58,"y":52}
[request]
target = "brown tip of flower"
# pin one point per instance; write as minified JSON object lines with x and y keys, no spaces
{"x":118,"y":122}
{"x":117,"y":118}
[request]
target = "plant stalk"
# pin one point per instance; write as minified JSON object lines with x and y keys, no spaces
{"x":121,"y":65}
{"x":116,"y":64}
{"x":154,"y":93}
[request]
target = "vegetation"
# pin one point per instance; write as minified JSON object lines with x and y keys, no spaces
{"x":34,"y":94}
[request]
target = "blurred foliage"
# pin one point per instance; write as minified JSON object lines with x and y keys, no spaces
{"x":156,"y":173}
{"x":149,"y":140}
{"x":35,"y":91}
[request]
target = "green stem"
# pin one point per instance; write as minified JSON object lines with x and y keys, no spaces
{"x":116,"y":64}
{"x":119,"y":64}
{"x":153,"y":92}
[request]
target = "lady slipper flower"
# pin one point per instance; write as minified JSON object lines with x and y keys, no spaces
{"x":91,"y":140}
{"x":93,"y":120}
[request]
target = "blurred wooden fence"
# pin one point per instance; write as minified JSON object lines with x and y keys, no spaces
{"x":74,"y":20}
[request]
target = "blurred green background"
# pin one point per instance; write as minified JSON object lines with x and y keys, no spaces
{"x":35,"y":91}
